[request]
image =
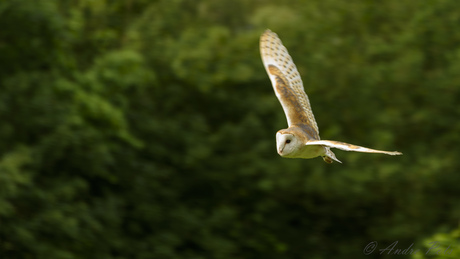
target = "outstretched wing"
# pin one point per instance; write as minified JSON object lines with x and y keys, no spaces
{"x":286,"y":81}
{"x":350,"y":147}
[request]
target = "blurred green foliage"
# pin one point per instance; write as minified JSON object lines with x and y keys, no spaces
{"x":441,"y":246}
{"x":146,"y":129}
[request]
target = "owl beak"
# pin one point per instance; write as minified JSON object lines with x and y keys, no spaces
{"x":280,"y":150}
{"x":280,"y":143}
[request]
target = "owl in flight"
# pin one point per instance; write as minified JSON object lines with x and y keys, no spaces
{"x":301,"y":139}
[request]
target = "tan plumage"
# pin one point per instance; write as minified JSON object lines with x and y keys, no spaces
{"x":301,"y":139}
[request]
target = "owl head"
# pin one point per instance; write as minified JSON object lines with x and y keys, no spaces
{"x":287,"y":144}
{"x":290,"y":143}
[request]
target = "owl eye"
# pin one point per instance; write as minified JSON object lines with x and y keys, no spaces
{"x":288,"y":141}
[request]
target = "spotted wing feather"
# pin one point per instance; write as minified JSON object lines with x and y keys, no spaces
{"x":286,"y":81}
{"x":350,"y":147}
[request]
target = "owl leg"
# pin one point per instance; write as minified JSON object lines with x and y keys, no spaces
{"x":330,"y":156}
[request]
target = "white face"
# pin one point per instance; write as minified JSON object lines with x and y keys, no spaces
{"x":286,"y":144}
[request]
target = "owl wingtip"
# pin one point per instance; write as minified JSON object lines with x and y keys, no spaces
{"x":268,"y":31}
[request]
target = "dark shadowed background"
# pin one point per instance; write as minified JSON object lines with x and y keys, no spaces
{"x":146,"y":129}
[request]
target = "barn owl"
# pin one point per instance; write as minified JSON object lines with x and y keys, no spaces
{"x":301,"y":139}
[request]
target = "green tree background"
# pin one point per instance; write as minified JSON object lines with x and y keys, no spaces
{"x":146,"y":129}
